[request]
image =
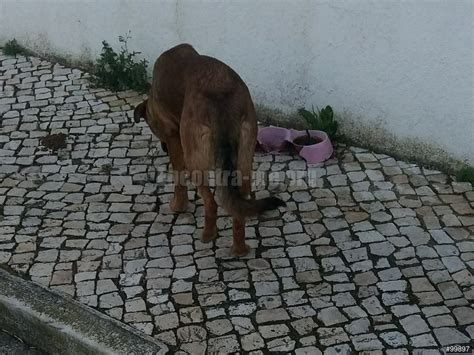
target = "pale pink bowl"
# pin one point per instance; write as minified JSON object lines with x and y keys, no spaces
{"x":315,"y":153}
{"x":275,"y":139}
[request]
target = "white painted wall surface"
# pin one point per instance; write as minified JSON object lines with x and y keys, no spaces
{"x":406,"y":66}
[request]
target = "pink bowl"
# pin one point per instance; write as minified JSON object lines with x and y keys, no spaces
{"x":275,"y":139}
{"x":315,"y":153}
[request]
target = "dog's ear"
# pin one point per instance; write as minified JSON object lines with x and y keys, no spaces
{"x":140,"y":111}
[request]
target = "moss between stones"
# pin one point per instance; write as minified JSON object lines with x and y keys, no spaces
{"x":378,"y":139}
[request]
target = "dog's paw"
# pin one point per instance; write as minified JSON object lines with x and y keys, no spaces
{"x":209,"y":234}
{"x":240,"y":250}
{"x":178,"y":205}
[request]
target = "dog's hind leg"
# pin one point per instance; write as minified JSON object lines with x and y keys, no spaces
{"x":179,"y":202}
{"x":198,"y":156}
{"x":239,"y":248}
{"x":210,"y":214}
{"x":246,"y":149}
{"x":247,"y":142}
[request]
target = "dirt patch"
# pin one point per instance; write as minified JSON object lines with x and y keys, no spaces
{"x":54,"y":141}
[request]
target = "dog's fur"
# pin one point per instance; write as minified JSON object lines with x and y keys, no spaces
{"x":203,"y":114}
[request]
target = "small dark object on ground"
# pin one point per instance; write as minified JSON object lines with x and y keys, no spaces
{"x":307,"y":140}
{"x":106,"y":168}
{"x":54,"y":141}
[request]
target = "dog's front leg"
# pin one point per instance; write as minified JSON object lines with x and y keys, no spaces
{"x":179,"y":202}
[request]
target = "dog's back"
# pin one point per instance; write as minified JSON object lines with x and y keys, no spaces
{"x":181,"y":73}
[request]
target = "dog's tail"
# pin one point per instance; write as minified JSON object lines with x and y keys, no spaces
{"x":229,"y":178}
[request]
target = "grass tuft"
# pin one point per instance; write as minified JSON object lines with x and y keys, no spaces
{"x":466,"y":174}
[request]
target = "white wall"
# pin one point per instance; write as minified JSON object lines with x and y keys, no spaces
{"x":404,"y":66}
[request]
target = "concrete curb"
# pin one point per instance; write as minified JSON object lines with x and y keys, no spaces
{"x":61,"y":325}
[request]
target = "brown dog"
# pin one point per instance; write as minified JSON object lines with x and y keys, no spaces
{"x":203,"y":113}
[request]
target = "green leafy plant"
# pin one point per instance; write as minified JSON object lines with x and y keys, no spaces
{"x":120,"y":71}
{"x":13,"y":48}
{"x":322,"y":120}
{"x":466,"y":174}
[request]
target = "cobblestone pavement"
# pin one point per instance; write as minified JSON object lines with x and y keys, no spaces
{"x":373,"y":254}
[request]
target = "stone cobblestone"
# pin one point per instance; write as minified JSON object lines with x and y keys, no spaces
{"x":377,"y":254}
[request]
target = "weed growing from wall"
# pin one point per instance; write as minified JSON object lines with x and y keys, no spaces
{"x":122,"y":70}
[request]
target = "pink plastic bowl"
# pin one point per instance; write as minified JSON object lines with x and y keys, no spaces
{"x":275,"y":139}
{"x":315,"y":153}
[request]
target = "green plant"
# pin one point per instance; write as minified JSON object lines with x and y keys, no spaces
{"x":466,"y":174}
{"x":322,"y":120}
{"x":13,"y":48}
{"x":120,"y":71}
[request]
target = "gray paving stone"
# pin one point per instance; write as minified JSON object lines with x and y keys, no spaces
{"x":219,"y":326}
{"x":330,"y":316}
{"x":394,"y":339}
{"x":464,"y":315}
{"x":423,"y":341}
{"x":373,"y":306}
{"x":252,"y":341}
{"x":441,"y":321}
{"x":381,"y":249}
{"x":366,"y":342}
{"x":271,"y":315}
{"x":308,"y":350}
{"x":450,"y":336}
{"x":225,"y":344}
{"x":358,"y":326}
{"x":110,"y":300}
{"x":273,"y":331}
{"x":331,"y":336}
{"x":285,"y":344}
{"x":414,"y":325}
{"x":193,"y":333}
